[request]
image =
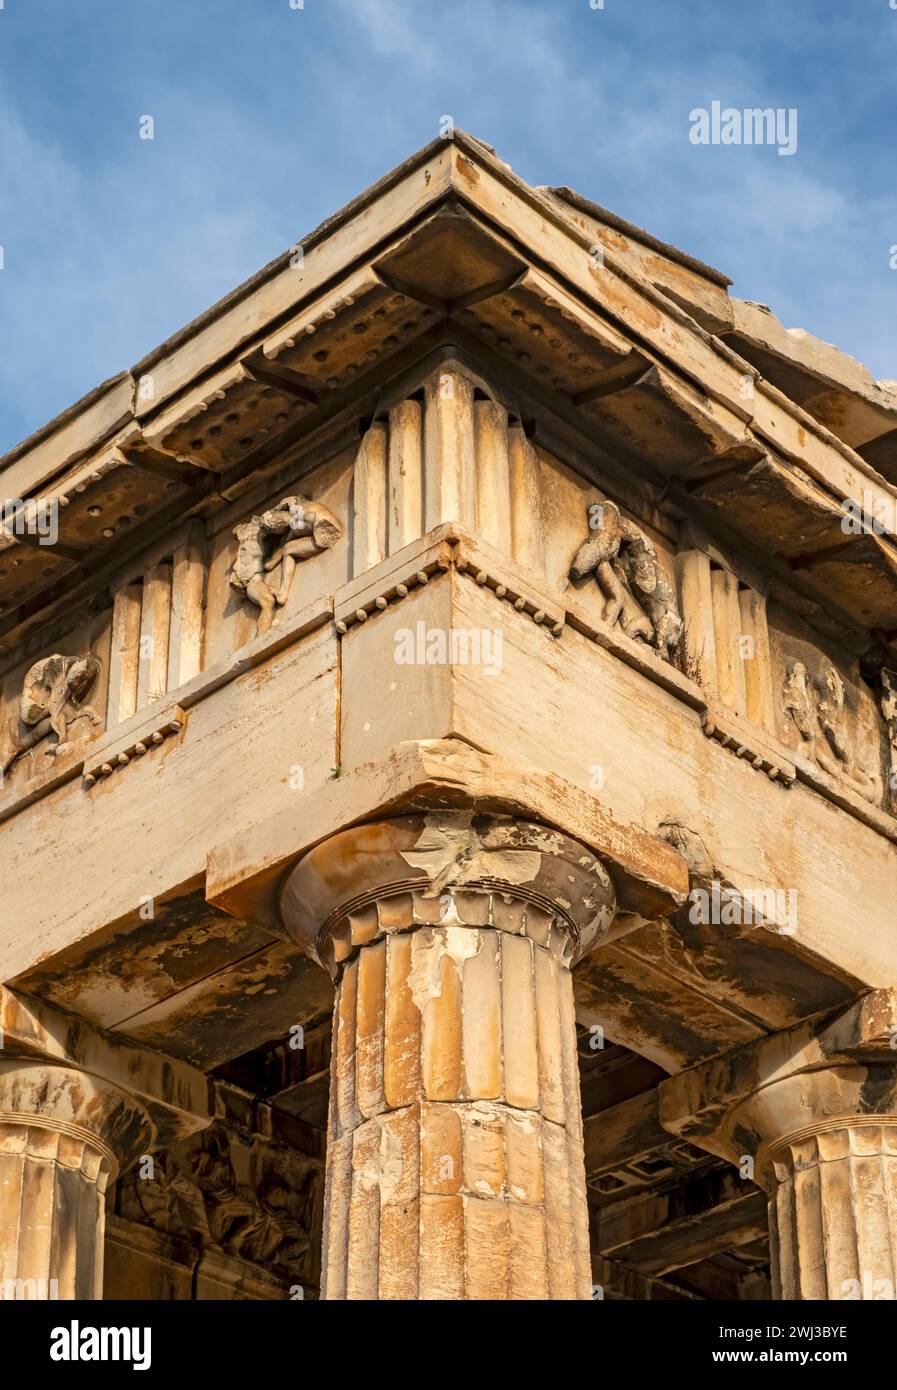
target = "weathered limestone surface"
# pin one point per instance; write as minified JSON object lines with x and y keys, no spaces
{"x":455,"y":1159}
{"x":92,"y":888}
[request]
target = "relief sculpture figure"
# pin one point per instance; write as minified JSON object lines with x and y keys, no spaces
{"x":292,"y":531}
{"x":889,"y":710}
{"x":636,"y":589}
{"x":53,"y":693}
{"x":817,"y":707}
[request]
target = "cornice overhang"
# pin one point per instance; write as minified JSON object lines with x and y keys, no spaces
{"x":453,"y":247}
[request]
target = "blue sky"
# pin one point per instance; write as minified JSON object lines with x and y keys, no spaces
{"x":268,"y":118}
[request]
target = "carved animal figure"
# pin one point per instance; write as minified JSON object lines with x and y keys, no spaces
{"x":307,"y":528}
{"x":52,"y":694}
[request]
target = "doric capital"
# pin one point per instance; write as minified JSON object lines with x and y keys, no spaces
{"x":56,"y":1067}
{"x":815,"y":1116}
{"x":820,"y":1136}
{"x":450,"y":869}
{"x":818,"y":1091}
{"x":81,"y":1120}
{"x":64,"y":1136}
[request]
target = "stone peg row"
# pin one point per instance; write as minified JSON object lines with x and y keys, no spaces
{"x":240,"y":410}
{"x":496,"y":337}
{"x":506,"y":592}
{"x":761,"y":761}
{"x":390,"y":343}
{"x":84,"y":481}
{"x":471,"y":907}
{"x":96,"y":475}
{"x":137,"y":749}
{"x":371,"y":607}
{"x":333,"y":310}
{"x":337,"y":309}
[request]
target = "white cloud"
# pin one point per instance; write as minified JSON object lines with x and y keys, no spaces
{"x":393,"y":28}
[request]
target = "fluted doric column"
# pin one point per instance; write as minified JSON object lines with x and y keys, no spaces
{"x":64,"y":1134}
{"x":829,"y":1165}
{"x":811,"y":1116}
{"x":455,"y":1160}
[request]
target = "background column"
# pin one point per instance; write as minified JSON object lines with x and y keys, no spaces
{"x":811,"y":1116}
{"x":832,"y":1182}
{"x":63,"y":1135}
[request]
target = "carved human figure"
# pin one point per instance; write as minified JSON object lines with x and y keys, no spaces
{"x":165,"y":1197}
{"x":636,"y":590}
{"x":889,"y":710}
{"x":596,"y":554}
{"x":312,"y":528}
{"x":818,"y":712}
{"x":53,"y":692}
{"x":266,"y":1216}
{"x":193,"y":1191}
{"x":830,"y":711}
{"x":649,"y":582}
{"x":303,"y":527}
